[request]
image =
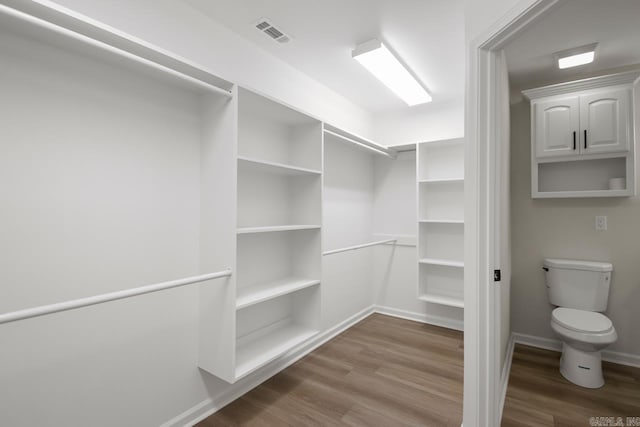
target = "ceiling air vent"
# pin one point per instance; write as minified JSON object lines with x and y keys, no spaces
{"x":265,"y":26}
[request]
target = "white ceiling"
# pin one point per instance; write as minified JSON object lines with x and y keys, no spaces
{"x":428,"y":35}
{"x":613,"y":24}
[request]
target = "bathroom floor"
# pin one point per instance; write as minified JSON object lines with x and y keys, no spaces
{"x":538,"y":395}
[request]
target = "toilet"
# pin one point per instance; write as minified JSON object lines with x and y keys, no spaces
{"x":580,"y":291}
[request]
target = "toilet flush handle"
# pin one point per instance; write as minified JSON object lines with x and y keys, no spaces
{"x":545,"y":268}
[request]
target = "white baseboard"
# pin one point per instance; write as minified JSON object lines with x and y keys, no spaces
{"x":209,"y":406}
{"x":458,"y":325}
{"x":504,"y":374}
{"x":556,"y":345}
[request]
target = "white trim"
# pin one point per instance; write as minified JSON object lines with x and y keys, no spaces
{"x":420,"y":317}
{"x":207,"y":407}
{"x":626,"y":78}
{"x":481,"y":361}
{"x":504,"y":376}
{"x":556,"y":345}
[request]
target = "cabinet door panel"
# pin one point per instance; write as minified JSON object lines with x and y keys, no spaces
{"x":555,"y":124}
{"x":605,"y":118}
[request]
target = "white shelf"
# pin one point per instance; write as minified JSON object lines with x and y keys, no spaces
{"x":441,"y":221}
{"x":579,"y":194}
{"x":255,"y":352}
{"x":442,"y":300}
{"x":440,"y":180}
{"x":275,"y":228}
{"x":443,"y":262}
{"x":274,"y":167}
{"x":265,"y":291}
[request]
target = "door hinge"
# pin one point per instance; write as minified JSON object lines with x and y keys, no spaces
{"x":497,"y":275}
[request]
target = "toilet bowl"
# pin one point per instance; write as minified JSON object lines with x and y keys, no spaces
{"x":583,"y":334}
{"x":580,"y":291}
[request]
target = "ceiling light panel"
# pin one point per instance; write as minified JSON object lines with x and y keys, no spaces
{"x":577,"y":56}
{"x":380,"y":61}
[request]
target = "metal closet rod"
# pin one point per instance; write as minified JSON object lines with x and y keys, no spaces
{"x":380,"y":150}
{"x":365,"y":245}
{"x":112,"y":296}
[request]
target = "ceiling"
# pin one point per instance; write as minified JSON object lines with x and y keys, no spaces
{"x":613,"y":24}
{"x":428,"y":35}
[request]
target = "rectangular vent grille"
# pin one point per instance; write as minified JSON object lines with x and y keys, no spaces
{"x":269,"y":29}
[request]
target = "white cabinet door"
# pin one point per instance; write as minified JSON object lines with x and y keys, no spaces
{"x":557,"y":123}
{"x":605,"y":121}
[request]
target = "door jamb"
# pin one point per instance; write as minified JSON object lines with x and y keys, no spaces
{"x":482,"y":366}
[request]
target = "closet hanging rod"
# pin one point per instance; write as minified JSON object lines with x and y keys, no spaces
{"x":112,"y":296}
{"x":365,"y":245}
{"x":120,"y":51}
{"x":378,"y":149}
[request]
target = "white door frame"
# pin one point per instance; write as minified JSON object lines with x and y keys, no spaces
{"x":482,"y":365}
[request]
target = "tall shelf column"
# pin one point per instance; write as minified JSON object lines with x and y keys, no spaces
{"x":440,"y":190}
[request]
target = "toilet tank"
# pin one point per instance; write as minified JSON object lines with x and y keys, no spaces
{"x":583,"y":285}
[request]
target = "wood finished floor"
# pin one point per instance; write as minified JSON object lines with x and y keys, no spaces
{"x":383,"y":371}
{"x":538,"y":395}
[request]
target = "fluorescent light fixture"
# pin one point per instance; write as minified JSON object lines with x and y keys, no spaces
{"x":577,"y":56}
{"x":375,"y":57}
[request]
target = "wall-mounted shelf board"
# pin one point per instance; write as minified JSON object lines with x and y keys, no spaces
{"x":442,"y":300}
{"x":269,"y":329}
{"x":443,"y":262}
{"x":273,"y":167}
{"x":442,"y":200}
{"x":275,"y":133}
{"x":440,"y":161}
{"x":440,"y":180}
{"x":266,"y":291}
{"x":276,"y":228}
{"x":252,"y":354}
{"x":580,"y":194}
{"x":87,"y":37}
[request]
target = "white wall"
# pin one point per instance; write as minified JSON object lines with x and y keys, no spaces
{"x":564,"y":228}
{"x":346,"y":221}
{"x":181,"y":29}
{"x":100,"y":180}
{"x":429,"y":122}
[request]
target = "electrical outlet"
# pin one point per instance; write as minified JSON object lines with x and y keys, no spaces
{"x":601,"y":223}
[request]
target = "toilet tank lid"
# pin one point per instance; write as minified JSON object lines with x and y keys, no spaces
{"x":572,"y":264}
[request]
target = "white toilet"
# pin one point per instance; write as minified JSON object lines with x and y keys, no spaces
{"x":580,"y":290}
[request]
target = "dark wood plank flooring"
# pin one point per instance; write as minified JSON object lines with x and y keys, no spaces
{"x":538,"y":395}
{"x":383,"y":371}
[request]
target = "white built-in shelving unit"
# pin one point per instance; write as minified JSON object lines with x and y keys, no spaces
{"x":278,"y":233}
{"x":440,"y":188}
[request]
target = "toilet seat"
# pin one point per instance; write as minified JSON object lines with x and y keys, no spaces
{"x":581,"y":320}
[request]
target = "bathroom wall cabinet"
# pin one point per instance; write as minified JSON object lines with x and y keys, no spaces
{"x":582,"y":136}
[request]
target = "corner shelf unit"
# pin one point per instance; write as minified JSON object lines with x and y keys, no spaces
{"x":440,"y":188}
